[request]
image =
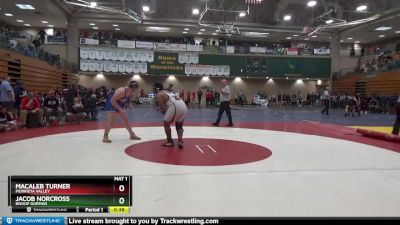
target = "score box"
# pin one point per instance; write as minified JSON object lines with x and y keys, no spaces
{"x":68,"y":193}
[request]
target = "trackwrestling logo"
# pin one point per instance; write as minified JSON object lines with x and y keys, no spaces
{"x":33,"y":220}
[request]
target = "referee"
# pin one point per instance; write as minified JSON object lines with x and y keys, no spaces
{"x":225,"y":100}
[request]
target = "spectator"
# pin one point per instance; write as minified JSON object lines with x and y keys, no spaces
{"x":325,"y":100}
{"x":7,"y":96}
{"x":52,"y":108}
{"x":199,"y":95}
{"x":19,"y":93}
{"x":7,"y":122}
{"x":352,"y":52}
{"x":396,"y":125}
{"x":170,"y":86}
{"x":30,"y":106}
{"x":71,"y":93}
{"x":37,"y":44}
{"x":91,"y":107}
{"x":76,"y":113}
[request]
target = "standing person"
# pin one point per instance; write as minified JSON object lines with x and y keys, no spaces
{"x":193,"y":97}
{"x":116,"y":104}
{"x":175,"y":110}
{"x":396,"y":126}
{"x":199,"y":95}
{"x":71,"y":93}
{"x":225,"y":99}
{"x":170,"y":87}
{"x":325,"y":101}
{"x":19,"y":93}
{"x":188,"y":95}
{"x":7,"y":96}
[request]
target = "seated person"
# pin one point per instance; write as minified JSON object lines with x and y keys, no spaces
{"x":7,"y":123}
{"x":52,"y":109}
{"x":350,"y":106}
{"x":76,"y":113}
{"x":30,"y":105}
{"x":91,"y":107}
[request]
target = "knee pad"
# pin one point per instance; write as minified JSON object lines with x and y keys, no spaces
{"x":179,"y":126}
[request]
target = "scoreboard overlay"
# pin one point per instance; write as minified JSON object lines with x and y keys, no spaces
{"x":74,"y":194}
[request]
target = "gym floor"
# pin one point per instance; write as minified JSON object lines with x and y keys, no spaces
{"x":284,"y":161}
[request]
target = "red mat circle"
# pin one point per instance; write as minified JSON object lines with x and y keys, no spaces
{"x":200,"y":152}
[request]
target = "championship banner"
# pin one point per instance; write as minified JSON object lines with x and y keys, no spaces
{"x":84,"y":53}
{"x":213,"y":70}
{"x":161,"y":46}
{"x":188,"y":58}
{"x":144,"y":45}
{"x":292,"y":51}
{"x":125,"y":44}
{"x":88,"y":41}
{"x":92,"y":53}
{"x":322,"y":51}
{"x":194,"y":48}
{"x":84,"y":65}
{"x":260,"y":50}
{"x":230,"y":49}
{"x":178,"y":47}
{"x":99,"y":54}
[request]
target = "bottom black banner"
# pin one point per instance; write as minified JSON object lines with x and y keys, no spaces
{"x":221,"y":220}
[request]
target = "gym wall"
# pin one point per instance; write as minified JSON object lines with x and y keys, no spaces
{"x":249,"y":86}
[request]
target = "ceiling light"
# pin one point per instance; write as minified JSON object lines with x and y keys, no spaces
{"x":312,"y":3}
{"x":254,"y":34}
{"x":314,"y":36}
{"x":383,"y":28}
{"x":341,"y":41}
{"x":306,"y":39}
{"x":361,"y":8}
{"x":214,"y":34}
{"x":184,"y":32}
{"x":115,"y":25}
{"x":287,"y":78}
{"x":295,"y":35}
{"x":397,"y":32}
{"x":242,"y":14}
{"x":92,"y":24}
{"x":99,"y":75}
{"x":186,"y":28}
{"x":202,"y":30}
{"x":356,"y":42}
{"x":382,"y":35}
{"x":349,"y":38}
{"x":95,"y":28}
{"x":289,"y":38}
{"x":199,"y":32}
{"x":49,"y":25}
{"x":8,"y":14}
{"x":146,"y":8}
{"x":158,"y":29}
{"x":20,"y":21}
{"x":171,"y":77}
{"x":217,"y":30}
{"x":44,"y":21}
{"x":329,"y":21}
{"x":287,"y":17}
{"x":93,"y":4}
{"x":27,"y":25}
{"x":25,"y":6}
{"x":195,"y":11}
{"x":117,"y":29}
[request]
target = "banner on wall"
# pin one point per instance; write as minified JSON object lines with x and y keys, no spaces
{"x":194,"y":48}
{"x":126,"y":44}
{"x":144,"y":45}
{"x":166,"y":63}
{"x":261,"y":50}
{"x":188,"y":58}
{"x":213,"y":70}
{"x":116,"y":55}
{"x":230,"y":49}
{"x":115,"y":67}
{"x":322,"y":51}
{"x":88,"y":41}
{"x":292,"y":51}
{"x":56,"y":40}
